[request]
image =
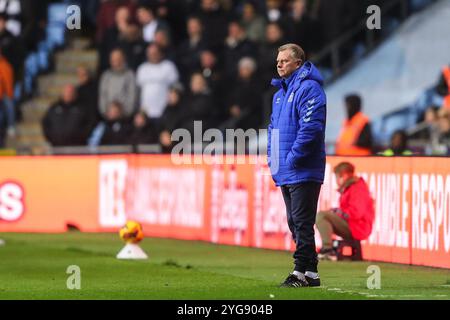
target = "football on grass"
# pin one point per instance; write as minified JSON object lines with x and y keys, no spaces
{"x":131,"y":232}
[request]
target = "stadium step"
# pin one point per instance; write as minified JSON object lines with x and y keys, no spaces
{"x":51,"y":85}
{"x":80,"y":43}
{"x":29,"y":137}
{"x":34,"y":110}
{"x":68,"y":61}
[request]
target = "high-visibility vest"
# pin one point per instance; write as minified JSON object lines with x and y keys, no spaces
{"x":446,"y":73}
{"x":351,"y":130}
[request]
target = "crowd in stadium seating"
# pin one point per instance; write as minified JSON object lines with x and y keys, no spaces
{"x":164,"y":64}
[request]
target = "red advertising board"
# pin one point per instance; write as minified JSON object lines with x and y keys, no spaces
{"x":233,"y":203}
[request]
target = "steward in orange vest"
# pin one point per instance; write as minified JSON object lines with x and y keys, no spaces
{"x":355,"y":138}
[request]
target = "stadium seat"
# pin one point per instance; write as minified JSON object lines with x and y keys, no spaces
{"x":348,"y":249}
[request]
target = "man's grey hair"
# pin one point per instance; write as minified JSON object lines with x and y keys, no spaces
{"x":296,"y":51}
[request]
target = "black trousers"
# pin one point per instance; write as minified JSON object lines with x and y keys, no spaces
{"x":301,"y":209}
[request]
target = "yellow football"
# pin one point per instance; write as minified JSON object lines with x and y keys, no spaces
{"x":131,"y":232}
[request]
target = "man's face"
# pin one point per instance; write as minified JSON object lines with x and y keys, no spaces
{"x":116,"y":60}
{"x":207,"y":59}
{"x":197,"y":83}
{"x":194,"y":27}
{"x":286,"y":64}
{"x":113,"y":112}
{"x":342,"y":177}
{"x":153,"y":54}
{"x":122,"y":15}
{"x":273,"y":33}
{"x":68,"y":94}
{"x":144,"y":16}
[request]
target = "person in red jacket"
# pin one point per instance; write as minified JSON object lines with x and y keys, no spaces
{"x":353,"y":219}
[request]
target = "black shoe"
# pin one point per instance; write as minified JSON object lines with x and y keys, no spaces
{"x":292,"y":281}
{"x":313,"y":282}
{"x":327,"y":254}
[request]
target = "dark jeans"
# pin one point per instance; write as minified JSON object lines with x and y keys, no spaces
{"x":301,"y":208}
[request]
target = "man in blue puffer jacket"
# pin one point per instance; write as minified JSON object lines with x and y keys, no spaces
{"x":296,"y":154}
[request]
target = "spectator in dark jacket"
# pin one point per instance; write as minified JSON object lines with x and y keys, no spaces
{"x":303,"y":29}
{"x":65,"y":122}
{"x":116,"y":129}
{"x":215,"y":18}
{"x":133,"y":46}
{"x":11,"y":48}
{"x":237,"y":46}
{"x":149,"y":22}
{"x":274,"y":38}
{"x":113,"y":35}
{"x":188,"y":52}
{"x":172,"y":117}
{"x":87,"y":94}
{"x":355,"y":137}
{"x":144,"y":130}
{"x":199,"y":104}
{"x":244,"y":103}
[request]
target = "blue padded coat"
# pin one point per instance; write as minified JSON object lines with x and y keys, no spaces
{"x":296,"y":133}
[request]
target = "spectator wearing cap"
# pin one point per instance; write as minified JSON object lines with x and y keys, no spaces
{"x":118,"y":83}
{"x":154,"y":78}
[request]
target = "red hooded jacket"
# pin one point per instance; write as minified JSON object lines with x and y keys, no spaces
{"x":357,"y":203}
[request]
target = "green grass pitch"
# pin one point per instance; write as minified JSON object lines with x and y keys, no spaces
{"x":33,"y":266}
